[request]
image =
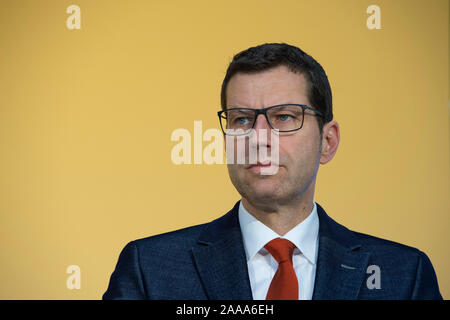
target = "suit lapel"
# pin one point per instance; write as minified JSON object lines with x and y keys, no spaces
{"x":341,"y":266}
{"x":220,"y":259}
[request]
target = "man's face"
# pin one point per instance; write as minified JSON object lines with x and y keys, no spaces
{"x":299,"y":151}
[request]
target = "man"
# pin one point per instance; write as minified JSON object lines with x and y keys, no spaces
{"x":276,"y":243}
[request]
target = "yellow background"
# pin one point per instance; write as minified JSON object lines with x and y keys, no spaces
{"x":86,"y":118}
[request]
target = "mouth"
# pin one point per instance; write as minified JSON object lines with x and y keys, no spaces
{"x":262,"y":167}
{"x":259,"y":164}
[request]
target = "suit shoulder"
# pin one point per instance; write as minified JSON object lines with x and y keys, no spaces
{"x":184,"y":237}
{"x":407,"y":268}
{"x":386,"y":246}
{"x":364,"y":241}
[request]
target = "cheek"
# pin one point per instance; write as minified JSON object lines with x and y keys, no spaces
{"x":298,"y":152}
{"x":236,"y":148}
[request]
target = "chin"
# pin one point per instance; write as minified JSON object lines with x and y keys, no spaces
{"x":258,"y":187}
{"x":263,"y":190}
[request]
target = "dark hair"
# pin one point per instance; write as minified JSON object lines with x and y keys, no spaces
{"x":270,"y":55}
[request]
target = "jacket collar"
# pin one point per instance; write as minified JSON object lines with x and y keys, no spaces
{"x":220,"y":259}
{"x":341,"y":264}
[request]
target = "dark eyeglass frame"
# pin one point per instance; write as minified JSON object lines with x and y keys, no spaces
{"x":264,"y":112}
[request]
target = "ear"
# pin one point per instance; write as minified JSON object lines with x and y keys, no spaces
{"x":330,"y":141}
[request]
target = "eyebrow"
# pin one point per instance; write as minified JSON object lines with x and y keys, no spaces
{"x":278,"y":104}
{"x":281,"y":106}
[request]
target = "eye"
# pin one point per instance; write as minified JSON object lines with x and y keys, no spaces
{"x":285,"y":117}
{"x":242,"y":120}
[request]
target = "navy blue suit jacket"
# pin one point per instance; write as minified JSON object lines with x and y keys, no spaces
{"x":208,"y":262}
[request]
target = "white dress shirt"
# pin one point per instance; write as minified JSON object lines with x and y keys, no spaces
{"x":262,"y":266}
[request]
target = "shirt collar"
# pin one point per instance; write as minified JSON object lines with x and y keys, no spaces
{"x":256,"y":234}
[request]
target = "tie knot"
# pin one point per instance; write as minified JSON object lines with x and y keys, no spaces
{"x":280,"y":249}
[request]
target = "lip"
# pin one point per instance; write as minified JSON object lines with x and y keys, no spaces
{"x":256,"y":168}
{"x":260,"y":165}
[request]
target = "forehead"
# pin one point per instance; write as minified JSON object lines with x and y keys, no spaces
{"x":274,"y":86}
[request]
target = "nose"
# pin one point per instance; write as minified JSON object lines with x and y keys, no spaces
{"x":262,"y":124}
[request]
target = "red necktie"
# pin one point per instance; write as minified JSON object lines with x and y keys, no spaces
{"x":284,"y":285}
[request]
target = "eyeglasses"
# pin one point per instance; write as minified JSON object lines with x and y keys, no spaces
{"x":281,"y":118}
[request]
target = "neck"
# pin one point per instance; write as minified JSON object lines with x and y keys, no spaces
{"x":281,"y":218}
